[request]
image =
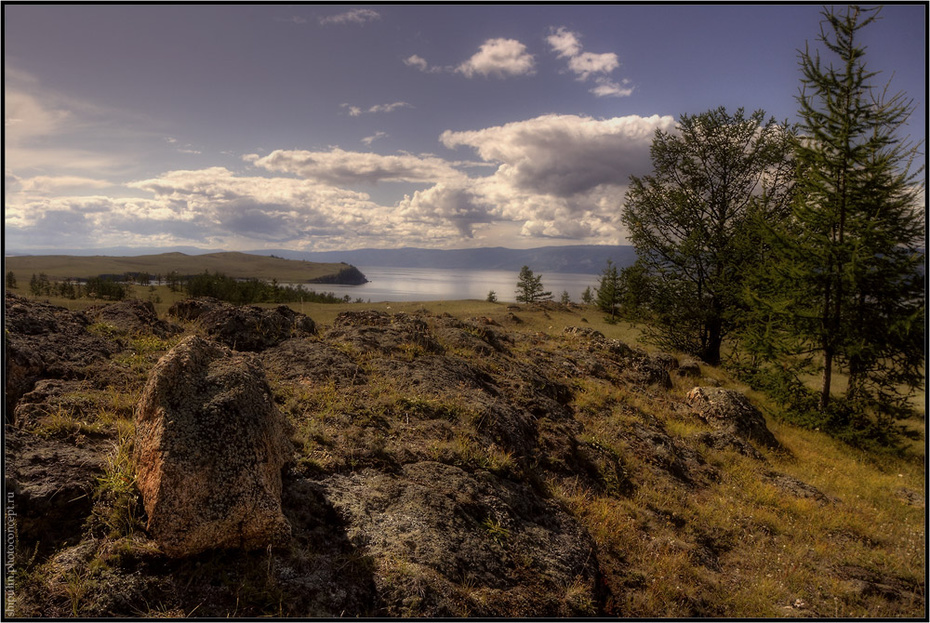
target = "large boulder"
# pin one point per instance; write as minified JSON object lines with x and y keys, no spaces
{"x":133,"y":317}
{"x":210,"y":446}
{"x":731,"y":411}
{"x":247,"y":328}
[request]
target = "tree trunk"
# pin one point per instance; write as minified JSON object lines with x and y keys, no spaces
{"x":827,"y":379}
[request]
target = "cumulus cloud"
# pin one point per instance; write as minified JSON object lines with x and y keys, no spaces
{"x":561,"y":175}
{"x":499,"y":58}
{"x":585,"y":65}
{"x":565,"y":154}
{"x":564,"y":42}
{"x":446,"y":204}
{"x":608,"y":88}
{"x":338,"y":166}
{"x":355,"y":16}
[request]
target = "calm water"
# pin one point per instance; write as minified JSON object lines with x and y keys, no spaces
{"x":434,"y":284}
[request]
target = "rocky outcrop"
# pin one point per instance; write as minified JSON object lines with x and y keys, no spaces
{"x":210,"y":447}
{"x":133,"y":317}
{"x":245,"y":328}
{"x":441,"y":466}
{"x":43,"y":341}
{"x":472,"y":544}
{"x":52,"y":482}
{"x":731,"y":412}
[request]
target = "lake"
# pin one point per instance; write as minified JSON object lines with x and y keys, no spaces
{"x":441,"y":284}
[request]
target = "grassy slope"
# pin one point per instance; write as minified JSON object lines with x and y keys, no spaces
{"x":240,"y":265}
{"x":779,"y":555}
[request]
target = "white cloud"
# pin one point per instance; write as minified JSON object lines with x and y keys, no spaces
{"x":588,"y":64}
{"x":355,"y":111}
{"x":355,"y":16}
{"x":417,"y":61}
{"x":561,"y":175}
{"x":48,"y":183}
{"x":338,"y":166}
{"x":368,"y":140}
{"x":608,"y":88}
{"x":564,"y":42}
{"x":565,"y":154}
{"x":499,"y":58}
{"x":452,"y":205}
{"x":26,"y":117}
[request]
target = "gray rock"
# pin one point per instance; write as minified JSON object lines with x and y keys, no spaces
{"x":440,"y":533}
{"x":245,"y":328}
{"x":731,"y":411}
{"x":210,"y":446}
{"x":133,"y":316}
{"x":43,"y":341}
{"x":689,"y":368}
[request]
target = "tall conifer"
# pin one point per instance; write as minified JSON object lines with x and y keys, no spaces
{"x":846,"y":283}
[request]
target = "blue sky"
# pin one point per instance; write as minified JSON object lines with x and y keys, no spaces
{"x":319,"y":127}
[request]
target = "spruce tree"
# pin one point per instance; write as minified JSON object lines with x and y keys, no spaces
{"x":846,"y":283}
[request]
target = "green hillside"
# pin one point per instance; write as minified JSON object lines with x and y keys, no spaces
{"x":239,"y":265}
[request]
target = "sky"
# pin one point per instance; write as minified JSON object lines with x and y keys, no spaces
{"x":336,"y":127}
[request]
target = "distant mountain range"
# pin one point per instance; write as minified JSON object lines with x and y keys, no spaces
{"x":585,"y":259}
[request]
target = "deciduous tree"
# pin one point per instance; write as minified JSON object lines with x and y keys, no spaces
{"x":690,"y":220}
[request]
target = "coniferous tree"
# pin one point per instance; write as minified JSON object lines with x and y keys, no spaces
{"x":846,"y":284}
{"x":609,"y":293}
{"x":587,"y":297}
{"x":530,"y":288}
{"x":690,"y":221}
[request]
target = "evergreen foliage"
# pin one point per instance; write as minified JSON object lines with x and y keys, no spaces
{"x":609,"y":293}
{"x":248,"y":291}
{"x":530,"y":288}
{"x":845,"y":289}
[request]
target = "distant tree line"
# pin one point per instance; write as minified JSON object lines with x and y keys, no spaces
{"x":249,"y":291}
{"x":217,"y":285}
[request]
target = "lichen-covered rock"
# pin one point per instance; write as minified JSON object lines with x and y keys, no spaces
{"x":729,"y":410}
{"x":371,"y":330}
{"x":210,"y":446}
{"x":245,"y":328}
{"x":689,"y":368}
{"x":43,"y":341}
{"x":466,"y":544}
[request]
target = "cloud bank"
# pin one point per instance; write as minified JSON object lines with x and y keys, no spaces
{"x":550,"y":177}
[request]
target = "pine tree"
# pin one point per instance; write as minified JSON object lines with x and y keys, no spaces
{"x":846,"y":284}
{"x":530,"y":288}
